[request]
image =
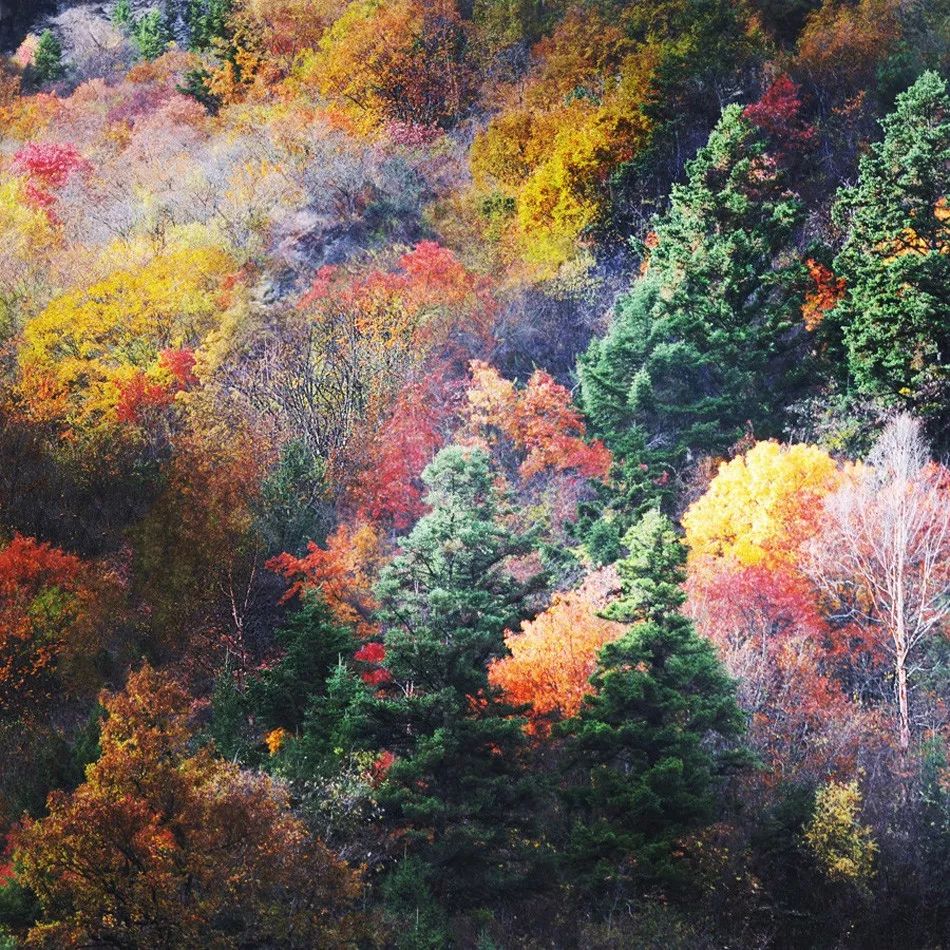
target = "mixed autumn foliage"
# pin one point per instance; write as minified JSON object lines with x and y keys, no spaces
{"x":471,"y":474}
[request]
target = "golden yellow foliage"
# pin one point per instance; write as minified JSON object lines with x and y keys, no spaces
{"x":844,"y":848}
{"x":761,"y":505}
{"x":400,"y":61}
{"x":275,"y":740}
{"x":910,"y":242}
{"x":26,"y":233}
{"x":552,"y":153}
{"x":91,"y":340}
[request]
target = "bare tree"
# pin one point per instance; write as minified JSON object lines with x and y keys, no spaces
{"x":317,"y":376}
{"x":883,"y":557}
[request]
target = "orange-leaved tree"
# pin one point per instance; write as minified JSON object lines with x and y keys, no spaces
{"x":162,"y":846}
{"x":540,"y":422}
{"x":554,"y":655}
{"x":343,"y":572}
{"x":827,"y":290}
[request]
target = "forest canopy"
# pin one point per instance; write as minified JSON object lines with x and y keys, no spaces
{"x":473,"y":474}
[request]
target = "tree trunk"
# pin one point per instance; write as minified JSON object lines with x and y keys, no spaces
{"x":903,"y":712}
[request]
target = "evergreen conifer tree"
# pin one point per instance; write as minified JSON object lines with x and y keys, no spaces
{"x":314,"y":644}
{"x":895,"y":313}
{"x":48,"y":58}
{"x":152,"y":33}
{"x":645,"y":743}
{"x":457,"y":791}
{"x":699,"y":346}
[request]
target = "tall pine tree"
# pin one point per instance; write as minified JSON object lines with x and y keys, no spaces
{"x":457,"y":793}
{"x":645,"y":746}
{"x":314,"y":643}
{"x":895,"y":313}
{"x":700,"y":345}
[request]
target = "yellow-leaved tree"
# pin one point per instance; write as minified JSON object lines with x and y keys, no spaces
{"x":90,"y":345}
{"x":842,"y":846}
{"x":762,"y":505}
{"x":402,"y":61}
{"x":27,"y":238}
{"x":545,"y":161}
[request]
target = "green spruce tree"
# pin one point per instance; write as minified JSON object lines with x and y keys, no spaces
{"x":314,"y":645}
{"x":895,"y":313}
{"x":48,"y":59}
{"x":644,"y":749}
{"x":207,"y":21}
{"x":457,"y":792}
{"x":151,"y":34}
{"x":122,"y":13}
{"x":299,"y":693}
{"x":700,"y":345}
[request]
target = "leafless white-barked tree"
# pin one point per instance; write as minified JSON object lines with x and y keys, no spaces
{"x":883,"y":554}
